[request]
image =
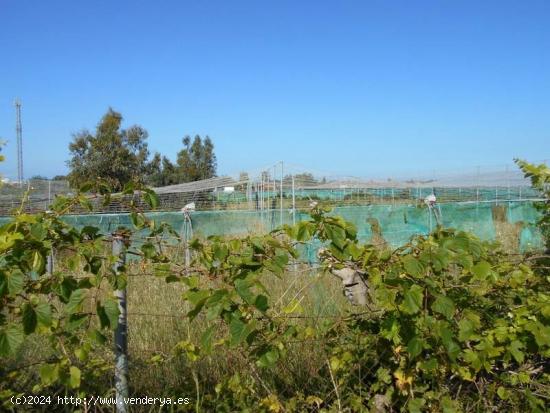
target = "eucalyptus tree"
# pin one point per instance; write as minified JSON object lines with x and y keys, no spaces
{"x":113,"y":154}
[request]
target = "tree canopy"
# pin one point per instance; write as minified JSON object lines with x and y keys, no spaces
{"x":196,"y":160}
{"x":119,"y":156}
{"x":114,"y":154}
{"x":161,"y":171}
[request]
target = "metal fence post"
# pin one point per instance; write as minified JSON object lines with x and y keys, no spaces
{"x":293,"y":203}
{"x":49,"y":263}
{"x":282,"y":178}
{"x":121,"y":331}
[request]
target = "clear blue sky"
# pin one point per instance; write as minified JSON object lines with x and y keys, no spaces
{"x":356,"y":87}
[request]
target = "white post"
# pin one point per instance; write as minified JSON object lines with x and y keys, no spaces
{"x":282,"y":177}
{"x":293,"y":203}
{"x":49,"y":263}
{"x":508,"y":182}
{"x":261,"y":191}
{"x":121,"y":331}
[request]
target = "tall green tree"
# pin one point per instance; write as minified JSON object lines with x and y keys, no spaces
{"x":114,"y":154}
{"x":196,"y":160}
{"x":161,"y":171}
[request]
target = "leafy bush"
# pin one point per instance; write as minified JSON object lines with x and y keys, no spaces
{"x":67,"y":312}
{"x":451,"y":323}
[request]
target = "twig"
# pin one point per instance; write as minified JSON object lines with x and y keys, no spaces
{"x":335,"y":387}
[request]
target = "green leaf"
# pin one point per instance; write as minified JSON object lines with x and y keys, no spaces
{"x":138,"y":220}
{"x":385,"y":297}
{"x":261,"y":303}
{"x":148,"y":250}
{"x":85,"y":203}
{"x":540,"y":332}
{"x":93,"y":264}
{"x":465,"y":330}
{"x":129,"y":188}
{"x":413,"y":266}
{"x":448,"y":405}
{"x":86,"y":187}
{"x":192,"y":281}
{"x":257,"y":243}
{"x":90,"y":232}
{"x":474,"y":247}
{"x":268,"y":358}
{"x":82,"y":353}
{"x":441,"y":259}
{"x":303,"y":233}
{"x":38,"y":232}
{"x":220,"y":252}
{"x":44,"y":314}
{"x":281,"y":258}
{"x":515,"y":350}
{"x":49,"y":373}
{"x":108,"y":313}
{"x":75,"y":301}
{"x":502,"y":393}
{"x":415,"y":346}
{"x":15,"y":281}
{"x":68,"y":285}
{"x":444,"y":305}
{"x":76,"y":321}
{"x":412,"y":300}
{"x":465,"y":261}
{"x":11,"y":337}
{"x":481,"y":270}
{"x":429,"y":365}
{"x":38,"y":263}
{"x":196,"y":310}
{"x":206,"y":339}
{"x":453,"y":349}
{"x":97,"y":337}
{"x":243,"y":289}
{"x":74,"y":377}
{"x":30,"y":319}
{"x":274,"y":268}
{"x":472,"y":358}
{"x":195,"y":297}
{"x":239,"y":331}
{"x":152,"y":199}
{"x":337,"y":235}
{"x":415,"y":405}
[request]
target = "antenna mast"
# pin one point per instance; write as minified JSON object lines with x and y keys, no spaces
{"x":19,"y":134}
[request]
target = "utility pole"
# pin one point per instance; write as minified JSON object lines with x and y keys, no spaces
{"x":19,"y":135}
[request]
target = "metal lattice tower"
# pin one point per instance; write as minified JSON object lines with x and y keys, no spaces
{"x":19,"y":134}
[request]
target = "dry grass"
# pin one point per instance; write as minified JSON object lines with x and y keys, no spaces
{"x":157,"y":322}
{"x":507,"y":233}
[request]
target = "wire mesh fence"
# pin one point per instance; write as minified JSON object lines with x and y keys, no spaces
{"x":285,"y":186}
{"x":513,"y":221}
